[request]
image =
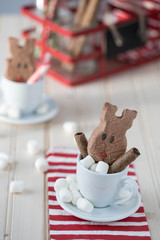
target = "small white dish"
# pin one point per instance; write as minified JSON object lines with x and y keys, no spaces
{"x":105,"y":214}
{"x":34,"y":118}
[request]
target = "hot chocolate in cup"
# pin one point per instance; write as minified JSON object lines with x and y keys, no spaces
{"x":22,"y":96}
{"x":102,"y":189}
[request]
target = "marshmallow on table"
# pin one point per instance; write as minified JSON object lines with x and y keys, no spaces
{"x":3,"y":163}
{"x":87,"y":162}
{"x":75,"y":196}
{"x":60,"y":184}
{"x":93,"y":167}
{"x":9,"y":158}
{"x":42,"y":109}
{"x":16,"y":187}
{"x":33,"y":146}
{"x":73,"y":186}
{"x":71,"y":178}
{"x":65,"y":195}
{"x":70,"y":127}
{"x":85,"y":205}
{"x":102,"y":167}
{"x":5,"y":160}
{"x":13,"y":112}
{"x":41,"y":165}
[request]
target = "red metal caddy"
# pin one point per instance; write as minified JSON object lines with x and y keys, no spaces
{"x":132,"y":58}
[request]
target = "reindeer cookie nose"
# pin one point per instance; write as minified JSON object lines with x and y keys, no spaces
{"x":103,"y":154}
{"x":19,"y":79}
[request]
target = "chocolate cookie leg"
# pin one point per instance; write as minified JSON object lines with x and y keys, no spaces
{"x":122,"y":162}
{"x":81,"y":143}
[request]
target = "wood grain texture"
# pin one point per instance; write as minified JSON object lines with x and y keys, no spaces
{"x":124,"y":93}
{"x":7,"y":135}
{"x":24,"y":216}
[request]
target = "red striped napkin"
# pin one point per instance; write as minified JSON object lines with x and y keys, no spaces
{"x":65,"y":226}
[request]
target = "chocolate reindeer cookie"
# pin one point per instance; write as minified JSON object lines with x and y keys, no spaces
{"x":108,"y":141}
{"x":21,"y":65}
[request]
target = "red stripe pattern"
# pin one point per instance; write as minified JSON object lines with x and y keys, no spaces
{"x":65,"y":226}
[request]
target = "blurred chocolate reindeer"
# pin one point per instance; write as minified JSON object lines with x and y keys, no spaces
{"x":108,"y":142}
{"x":21,"y":65}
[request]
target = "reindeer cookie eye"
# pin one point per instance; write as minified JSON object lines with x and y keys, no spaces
{"x":104,"y":135}
{"x":25,"y":65}
{"x":111,"y":139}
{"x":18,"y":65}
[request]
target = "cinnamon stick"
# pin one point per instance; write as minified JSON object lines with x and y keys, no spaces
{"x":69,"y":67}
{"x":81,"y":143}
{"x":83,"y":19}
{"x":85,"y":22}
{"x":80,"y":11}
{"x":122,"y":162}
{"x":78,"y":45}
{"x":90,"y":12}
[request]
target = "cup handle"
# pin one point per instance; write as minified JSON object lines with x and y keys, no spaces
{"x":133,"y":188}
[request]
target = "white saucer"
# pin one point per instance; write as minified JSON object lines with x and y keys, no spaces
{"x":35,"y":118}
{"x":107,"y":214}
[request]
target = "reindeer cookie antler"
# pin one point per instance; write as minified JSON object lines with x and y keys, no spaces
{"x":21,"y":65}
{"x":108,"y":141}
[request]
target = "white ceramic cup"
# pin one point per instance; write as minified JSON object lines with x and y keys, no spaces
{"x":22,"y":96}
{"x":102,"y":189}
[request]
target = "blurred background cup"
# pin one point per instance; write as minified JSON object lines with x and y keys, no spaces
{"x":22,"y":96}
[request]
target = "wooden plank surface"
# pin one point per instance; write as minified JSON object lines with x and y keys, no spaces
{"x":137,"y":137}
{"x":24,"y":216}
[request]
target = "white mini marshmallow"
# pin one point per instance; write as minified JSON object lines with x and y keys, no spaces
{"x":16,"y":187}
{"x":42,"y":109}
{"x":102,"y":167}
{"x":13,"y":112}
{"x":75,"y":196}
{"x":3,"y":163}
{"x":73,"y":186}
{"x":60,"y":184}
{"x":33,"y":146}
{"x":41,"y":165}
{"x":3,"y":109}
{"x":93,"y":167}
{"x":9,"y":158}
{"x":87,"y":162}
{"x":70,"y":127}
{"x":65,"y":195}
{"x":71,"y":178}
{"x":85,"y":205}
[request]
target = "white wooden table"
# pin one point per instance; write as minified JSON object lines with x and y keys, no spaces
{"x":25,"y":216}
